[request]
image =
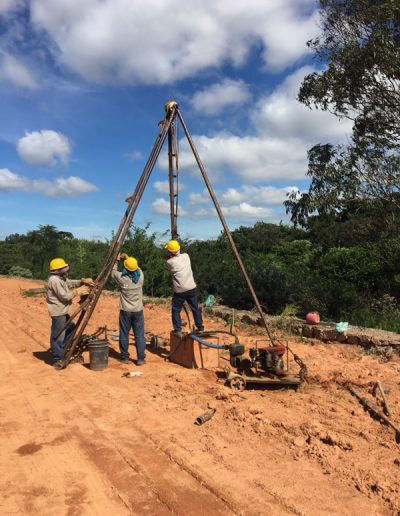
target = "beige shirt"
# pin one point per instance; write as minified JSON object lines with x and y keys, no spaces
{"x":59,"y":294}
{"x":181,"y":270}
{"x":131,"y":296}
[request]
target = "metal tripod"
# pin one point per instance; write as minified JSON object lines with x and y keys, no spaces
{"x":168,"y":127}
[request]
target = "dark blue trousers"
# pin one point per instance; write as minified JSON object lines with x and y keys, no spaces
{"x":57,"y":345}
{"x":190,"y":296}
{"x":134,"y":320}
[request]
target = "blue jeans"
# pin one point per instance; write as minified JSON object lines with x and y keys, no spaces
{"x":57,"y":345}
{"x":134,"y":320}
{"x":190,"y":296}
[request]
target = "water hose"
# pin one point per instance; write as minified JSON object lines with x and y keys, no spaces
{"x":208,"y":344}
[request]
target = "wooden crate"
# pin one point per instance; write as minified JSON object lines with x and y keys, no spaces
{"x":188,"y":353}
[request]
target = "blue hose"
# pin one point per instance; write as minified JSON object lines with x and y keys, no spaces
{"x":205,"y":343}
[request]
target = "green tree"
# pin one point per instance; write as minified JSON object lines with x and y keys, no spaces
{"x":360,"y":43}
{"x":359,"y":46}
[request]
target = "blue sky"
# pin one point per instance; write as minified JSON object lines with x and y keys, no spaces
{"x":83,"y":86}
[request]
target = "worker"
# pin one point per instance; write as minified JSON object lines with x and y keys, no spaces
{"x":184,"y":286}
{"x":130,"y":282}
{"x":59,"y":294}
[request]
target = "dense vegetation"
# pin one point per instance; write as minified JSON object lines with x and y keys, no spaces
{"x":346,"y":267}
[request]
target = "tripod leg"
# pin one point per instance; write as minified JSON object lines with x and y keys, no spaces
{"x":224,"y":224}
{"x":124,"y":227}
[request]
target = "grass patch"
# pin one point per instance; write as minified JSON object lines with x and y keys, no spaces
{"x":383,"y":314}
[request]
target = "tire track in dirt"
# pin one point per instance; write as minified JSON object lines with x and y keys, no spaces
{"x":102,"y":451}
{"x":41,"y":468}
{"x":232,"y":498}
{"x":199,"y":481}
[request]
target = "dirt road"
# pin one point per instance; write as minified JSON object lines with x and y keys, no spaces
{"x":79,"y":442}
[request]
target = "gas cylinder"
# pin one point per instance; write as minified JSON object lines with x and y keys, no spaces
{"x":313,"y":318}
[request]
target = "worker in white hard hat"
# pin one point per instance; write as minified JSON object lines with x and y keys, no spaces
{"x":184,"y":286}
{"x":130,"y":283}
{"x":59,"y":294}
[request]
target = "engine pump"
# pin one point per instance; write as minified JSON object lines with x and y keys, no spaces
{"x":267,"y":360}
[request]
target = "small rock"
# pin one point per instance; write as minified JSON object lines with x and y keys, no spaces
{"x":298,"y":441}
{"x":254,"y":411}
{"x":397,"y":462}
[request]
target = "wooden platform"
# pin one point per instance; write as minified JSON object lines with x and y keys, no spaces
{"x":189,"y":353}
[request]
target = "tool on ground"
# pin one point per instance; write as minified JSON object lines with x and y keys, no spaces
{"x":378,"y":386}
{"x":167,"y":127}
{"x":206,"y":416}
{"x":375,"y":412}
{"x":132,"y":374}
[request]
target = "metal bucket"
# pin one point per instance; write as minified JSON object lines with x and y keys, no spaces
{"x":98,"y":354}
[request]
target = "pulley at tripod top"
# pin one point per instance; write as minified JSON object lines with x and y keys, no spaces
{"x":170,"y":104}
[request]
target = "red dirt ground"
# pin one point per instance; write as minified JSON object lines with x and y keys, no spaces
{"x":80,"y":442}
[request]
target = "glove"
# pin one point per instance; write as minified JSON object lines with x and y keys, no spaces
{"x":88,"y":282}
{"x":82,"y":291}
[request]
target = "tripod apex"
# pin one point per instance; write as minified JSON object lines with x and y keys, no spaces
{"x":170,"y":104}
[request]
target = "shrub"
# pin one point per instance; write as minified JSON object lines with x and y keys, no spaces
{"x":16,"y":270}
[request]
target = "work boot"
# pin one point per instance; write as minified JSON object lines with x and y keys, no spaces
{"x":123,"y":360}
{"x":140,"y":362}
{"x":59,"y":364}
{"x":179,"y":333}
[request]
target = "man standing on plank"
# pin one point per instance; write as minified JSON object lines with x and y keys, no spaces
{"x":184,"y":286}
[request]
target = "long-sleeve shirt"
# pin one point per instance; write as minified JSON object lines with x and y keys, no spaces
{"x":131,"y":294}
{"x":181,"y":270}
{"x":59,"y":294}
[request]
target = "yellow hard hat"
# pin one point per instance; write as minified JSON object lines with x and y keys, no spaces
{"x":172,"y":246}
{"x":57,"y":263}
{"x":130,"y":264}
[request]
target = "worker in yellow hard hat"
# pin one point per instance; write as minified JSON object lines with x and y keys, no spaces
{"x":130,"y":282}
{"x":59,"y":294}
{"x":184,"y":286}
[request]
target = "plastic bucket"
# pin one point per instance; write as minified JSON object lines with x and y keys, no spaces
{"x":98,"y":354}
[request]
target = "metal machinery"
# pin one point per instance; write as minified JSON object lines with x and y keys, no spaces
{"x":262,"y":362}
{"x":265,"y":365}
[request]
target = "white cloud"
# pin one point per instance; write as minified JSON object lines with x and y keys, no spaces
{"x":133,"y":156}
{"x":242,"y":211}
{"x":11,"y":181}
{"x":282,"y":115}
{"x":215,"y":98}
{"x":247,"y":210}
{"x":12,"y":69}
{"x":8,"y":5}
{"x":103,"y":40}
{"x":44,"y":147}
{"x":162,"y":187}
{"x":245,"y":202}
{"x":284,"y":131}
{"x":63,"y":187}
{"x":200,"y":198}
{"x":162,"y":207}
{"x":257,"y":194}
{"x":60,"y":187}
{"x":253,"y":158}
